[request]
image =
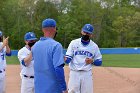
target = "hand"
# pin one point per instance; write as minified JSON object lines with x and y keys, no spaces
{"x":5,"y":41}
{"x":65,"y":58}
{"x":89,"y":60}
{"x":65,"y":91}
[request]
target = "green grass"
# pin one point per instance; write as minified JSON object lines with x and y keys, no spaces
{"x":12,"y":60}
{"x":113,"y":60}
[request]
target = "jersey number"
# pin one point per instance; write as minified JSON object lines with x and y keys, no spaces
{"x":2,"y":56}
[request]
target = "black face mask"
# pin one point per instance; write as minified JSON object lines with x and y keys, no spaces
{"x":31,"y":44}
{"x":1,"y":39}
{"x":85,"y":37}
{"x":55,"y":34}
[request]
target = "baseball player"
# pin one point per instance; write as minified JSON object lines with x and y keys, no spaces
{"x":4,"y":50}
{"x":48,"y":61}
{"x":81,"y":54}
{"x":25,"y":58}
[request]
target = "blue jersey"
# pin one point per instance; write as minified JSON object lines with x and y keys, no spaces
{"x":47,"y":55}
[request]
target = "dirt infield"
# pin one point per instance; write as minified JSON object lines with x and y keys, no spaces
{"x":106,"y":79}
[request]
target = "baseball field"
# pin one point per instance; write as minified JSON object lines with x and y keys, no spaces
{"x":118,"y":74}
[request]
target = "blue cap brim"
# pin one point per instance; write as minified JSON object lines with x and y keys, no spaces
{"x":86,"y":31}
{"x":32,"y":39}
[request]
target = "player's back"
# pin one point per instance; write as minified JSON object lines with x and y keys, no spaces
{"x":45,"y":79}
{"x":42,"y":53}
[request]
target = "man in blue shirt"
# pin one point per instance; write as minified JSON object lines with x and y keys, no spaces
{"x":48,"y":61}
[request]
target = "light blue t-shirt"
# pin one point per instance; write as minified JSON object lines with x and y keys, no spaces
{"x":47,"y":54}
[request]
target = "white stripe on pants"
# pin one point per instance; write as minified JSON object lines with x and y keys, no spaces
{"x":80,"y":82}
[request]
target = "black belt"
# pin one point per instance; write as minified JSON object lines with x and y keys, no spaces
{"x":28,"y":76}
{"x":2,"y":71}
{"x":80,"y":70}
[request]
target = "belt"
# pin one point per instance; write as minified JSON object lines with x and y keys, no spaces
{"x":80,"y":70}
{"x":2,"y":70}
{"x":28,"y":76}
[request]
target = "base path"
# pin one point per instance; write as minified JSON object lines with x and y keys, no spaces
{"x":106,"y":79}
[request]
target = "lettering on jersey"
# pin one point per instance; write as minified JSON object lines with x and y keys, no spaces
{"x":2,"y":56}
{"x":83,"y":53}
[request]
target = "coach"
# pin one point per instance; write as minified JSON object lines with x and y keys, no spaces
{"x":48,"y":61}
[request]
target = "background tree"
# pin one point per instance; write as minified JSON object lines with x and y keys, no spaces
{"x":116,"y":22}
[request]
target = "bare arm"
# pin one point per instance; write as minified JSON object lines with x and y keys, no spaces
{"x":5,"y":43}
{"x":8,"y":50}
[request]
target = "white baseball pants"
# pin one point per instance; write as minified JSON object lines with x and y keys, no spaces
{"x":80,"y":82}
{"x":2,"y":82}
{"x":27,"y":85}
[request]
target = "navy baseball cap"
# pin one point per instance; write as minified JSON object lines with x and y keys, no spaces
{"x":88,"y":28}
{"x":48,"y":23}
{"x":29,"y":36}
{"x":0,"y":33}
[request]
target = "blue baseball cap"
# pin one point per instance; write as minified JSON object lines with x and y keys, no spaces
{"x":29,"y":36}
{"x":48,"y":23}
{"x":88,"y":28}
{"x":1,"y":34}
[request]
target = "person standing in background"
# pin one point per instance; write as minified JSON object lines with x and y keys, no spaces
{"x":81,"y":55}
{"x":25,"y":58}
{"x":4,"y":50}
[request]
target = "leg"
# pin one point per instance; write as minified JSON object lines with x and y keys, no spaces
{"x":74,"y":82}
{"x":2,"y":82}
{"x":27,"y":85}
{"x":2,"y":85}
{"x":87,"y":83}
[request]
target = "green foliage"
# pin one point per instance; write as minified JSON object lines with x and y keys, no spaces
{"x":116,"y":23}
